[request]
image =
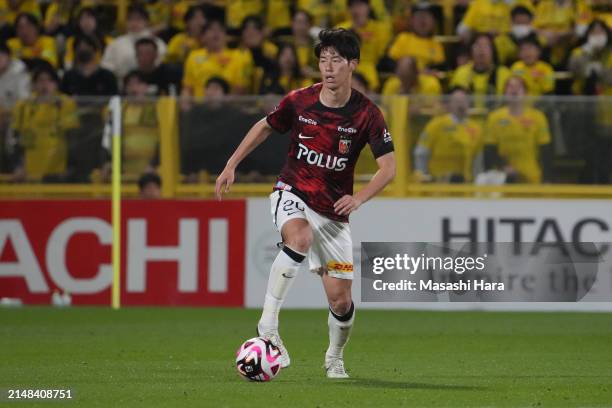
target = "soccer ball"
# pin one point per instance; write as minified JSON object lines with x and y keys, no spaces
{"x":258,"y":360}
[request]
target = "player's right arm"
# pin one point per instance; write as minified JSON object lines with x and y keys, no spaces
{"x":255,"y":136}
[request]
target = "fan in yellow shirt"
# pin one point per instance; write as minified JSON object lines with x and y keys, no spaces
{"x":517,"y":138}
{"x":237,"y":10}
{"x":419,"y":43}
{"x":374,"y":36}
{"x":481,"y":76}
{"x":539,"y":76}
{"x":183,"y":43}
{"x":216,"y":60}
{"x":555,"y":21}
{"x":41,"y":124}
{"x":522,"y":28}
{"x":333,"y":12}
{"x":278,"y":14}
{"x":489,"y":16}
{"x":409,"y":81}
{"x":29,"y":43}
{"x":140,"y":127}
{"x":450,"y":142}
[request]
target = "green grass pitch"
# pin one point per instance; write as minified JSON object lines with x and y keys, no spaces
{"x":175,"y":357}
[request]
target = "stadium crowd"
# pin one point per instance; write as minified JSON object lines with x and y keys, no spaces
{"x":56,"y":55}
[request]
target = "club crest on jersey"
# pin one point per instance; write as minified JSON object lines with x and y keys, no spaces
{"x":344,"y":145}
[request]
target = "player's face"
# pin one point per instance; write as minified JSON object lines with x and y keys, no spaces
{"x":335,"y":69}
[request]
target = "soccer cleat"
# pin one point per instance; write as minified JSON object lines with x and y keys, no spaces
{"x":335,"y":368}
{"x":275,"y":339}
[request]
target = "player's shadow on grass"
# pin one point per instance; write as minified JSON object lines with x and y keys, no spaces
{"x":377,"y":383}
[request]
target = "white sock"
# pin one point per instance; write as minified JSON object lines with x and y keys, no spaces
{"x":339,"y":332}
{"x":282,"y":274}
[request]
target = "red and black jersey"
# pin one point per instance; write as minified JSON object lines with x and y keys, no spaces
{"x":325,"y":145}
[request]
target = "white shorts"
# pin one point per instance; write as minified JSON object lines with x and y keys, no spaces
{"x":332,"y":247}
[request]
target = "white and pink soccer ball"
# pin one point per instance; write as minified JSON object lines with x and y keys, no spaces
{"x":258,"y":360}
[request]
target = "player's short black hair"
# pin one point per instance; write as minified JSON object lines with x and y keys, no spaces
{"x":345,"y":42}
{"x":148,"y":178}
{"x":518,"y":10}
{"x":219,"y":81}
{"x":146,"y":41}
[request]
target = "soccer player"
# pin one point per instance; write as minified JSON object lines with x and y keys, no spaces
{"x":330,"y":123}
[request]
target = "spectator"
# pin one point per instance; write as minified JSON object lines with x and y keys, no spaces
{"x":258,"y":53}
{"x":522,"y":28}
{"x":41,"y":125}
{"x":409,"y":81}
{"x":481,"y":76}
{"x":517,"y":139}
{"x":555,"y":21}
{"x":374,"y":37}
{"x":538,"y":75}
{"x":30,"y":45}
{"x":140,"y":127}
{"x":183,"y":43}
{"x":120,"y":55}
{"x":159,"y":76}
{"x":14,"y":80}
{"x":215,"y":60}
{"x":301,"y":24}
{"x":237,"y":11}
{"x":591,"y":64}
{"x":286,"y":75}
{"x":87,"y":25}
{"x":419,"y":43}
{"x":9,"y":10}
{"x":149,"y":186}
{"x":87,"y":77}
{"x":14,"y":85}
{"x":449,"y":143}
{"x":488,"y":17}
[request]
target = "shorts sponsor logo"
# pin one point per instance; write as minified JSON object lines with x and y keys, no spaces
{"x":340,"y":266}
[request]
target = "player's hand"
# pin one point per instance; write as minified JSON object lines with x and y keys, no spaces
{"x":346,"y":205}
{"x":224,"y":181}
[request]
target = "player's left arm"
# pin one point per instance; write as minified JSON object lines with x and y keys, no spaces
{"x":385,"y":174}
